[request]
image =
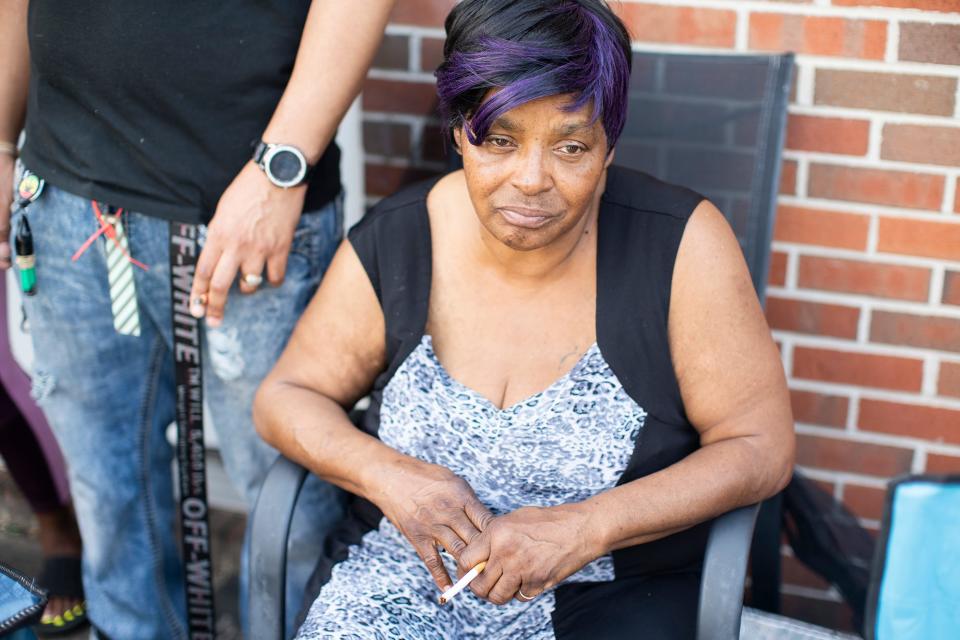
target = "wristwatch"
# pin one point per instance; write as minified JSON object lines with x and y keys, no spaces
{"x":284,"y":164}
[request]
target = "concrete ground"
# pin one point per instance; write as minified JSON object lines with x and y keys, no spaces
{"x":20,"y":550}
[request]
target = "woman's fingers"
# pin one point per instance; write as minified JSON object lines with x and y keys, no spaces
{"x":251,"y":274}
{"x":504,"y":589}
{"x":220,"y":283}
{"x":528,"y":591}
{"x":431,"y":559}
{"x":483,"y":583}
{"x":451,"y":541}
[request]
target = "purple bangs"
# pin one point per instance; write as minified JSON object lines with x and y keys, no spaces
{"x":592,"y":65}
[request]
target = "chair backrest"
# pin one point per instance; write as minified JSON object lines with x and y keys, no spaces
{"x":714,"y":123}
{"x":915,"y":580}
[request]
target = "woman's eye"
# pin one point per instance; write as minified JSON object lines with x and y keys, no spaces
{"x":572,"y":149}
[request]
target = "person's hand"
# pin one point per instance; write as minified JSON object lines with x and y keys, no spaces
{"x":432,"y":506}
{"x":6,"y":199}
{"x":529,"y":550}
{"x":252,"y":227}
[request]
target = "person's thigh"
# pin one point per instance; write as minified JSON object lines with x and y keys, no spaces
{"x":100,"y":392}
{"x":239,"y":354}
{"x":381,"y":591}
{"x":654,"y":608}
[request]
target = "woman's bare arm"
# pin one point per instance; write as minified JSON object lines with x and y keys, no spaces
{"x":733,"y":390}
{"x":333,"y":358}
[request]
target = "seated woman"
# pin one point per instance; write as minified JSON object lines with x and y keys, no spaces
{"x":569,"y":371}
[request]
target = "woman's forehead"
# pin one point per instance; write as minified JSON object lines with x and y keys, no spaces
{"x":551,"y":113}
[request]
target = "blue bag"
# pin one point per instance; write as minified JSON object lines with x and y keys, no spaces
{"x":21,"y":601}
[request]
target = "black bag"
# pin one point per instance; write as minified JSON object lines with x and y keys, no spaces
{"x":21,"y":600}
{"x":828,"y":539}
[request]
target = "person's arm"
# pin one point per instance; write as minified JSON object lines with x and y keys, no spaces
{"x":735,"y":394}
{"x":14,"y":78}
{"x":334,"y":355}
{"x":252,"y":227}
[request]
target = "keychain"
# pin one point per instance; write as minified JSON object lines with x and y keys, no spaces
{"x":29,"y":189}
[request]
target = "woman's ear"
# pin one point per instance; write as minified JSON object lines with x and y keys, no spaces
{"x":457,"y":134}
{"x":610,"y":156}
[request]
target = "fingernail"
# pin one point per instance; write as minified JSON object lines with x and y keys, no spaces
{"x":197,"y":310}
{"x":213,"y":322}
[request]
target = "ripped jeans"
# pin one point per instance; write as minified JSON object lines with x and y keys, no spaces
{"x":109,"y":398}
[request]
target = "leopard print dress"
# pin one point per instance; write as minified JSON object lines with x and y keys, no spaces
{"x":563,"y":444}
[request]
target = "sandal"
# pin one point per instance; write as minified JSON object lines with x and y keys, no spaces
{"x":61,"y":577}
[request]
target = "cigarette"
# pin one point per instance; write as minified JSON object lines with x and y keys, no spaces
{"x":461,"y":583}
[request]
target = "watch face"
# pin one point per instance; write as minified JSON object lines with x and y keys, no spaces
{"x":285,"y":166}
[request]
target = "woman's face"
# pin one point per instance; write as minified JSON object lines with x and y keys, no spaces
{"x":537,"y":173}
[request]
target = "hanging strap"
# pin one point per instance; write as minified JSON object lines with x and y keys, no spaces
{"x":197,"y":565}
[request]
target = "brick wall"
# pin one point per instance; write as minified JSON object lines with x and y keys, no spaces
{"x":864,"y":295}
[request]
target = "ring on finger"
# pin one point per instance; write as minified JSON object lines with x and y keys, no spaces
{"x":200,"y":300}
{"x":252,"y":279}
{"x":524,"y":598}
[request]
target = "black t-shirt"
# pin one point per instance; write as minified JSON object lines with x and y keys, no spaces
{"x":152,"y":106}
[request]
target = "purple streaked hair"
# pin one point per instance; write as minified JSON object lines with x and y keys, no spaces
{"x":531,"y":49}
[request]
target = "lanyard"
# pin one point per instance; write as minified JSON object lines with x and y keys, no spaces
{"x":197,"y":565}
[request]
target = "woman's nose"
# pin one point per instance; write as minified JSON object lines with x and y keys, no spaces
{"x":531,"y":175}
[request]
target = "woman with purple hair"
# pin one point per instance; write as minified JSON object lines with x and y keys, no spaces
{"x":569,"y":371}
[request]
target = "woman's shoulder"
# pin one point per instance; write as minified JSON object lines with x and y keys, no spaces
{"x":637,"y":191}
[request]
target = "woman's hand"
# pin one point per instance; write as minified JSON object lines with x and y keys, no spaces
{"x":432,"y":506}
{"x":530,"y":550}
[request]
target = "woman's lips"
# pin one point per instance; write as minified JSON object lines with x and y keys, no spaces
{"x":526,"y":218}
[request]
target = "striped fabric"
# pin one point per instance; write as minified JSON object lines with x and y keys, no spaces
{"x":123,"y":291}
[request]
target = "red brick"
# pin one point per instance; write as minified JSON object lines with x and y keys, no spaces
{"x":856,"y":457}
{"x":919,"y":238}
{"x":797,"y":573}
{"x":865,"y":278}
{"x":876,"y":186}
{"x":861,"y":369}
{"x":821,"y":409}
{"x":384,"y":180}
{"x":778,"y":269}
{"x":821,"y":227}
{"x":951,"y":288}
{"x":865,"y":502}
{"x":418,"y":98}
{"x":820,"y":36}
{"x":394,"y":53}
{"x":937,"y":463}
{"x":936,"y":43}
{"x":803,"y":316}
{"x":431,"y":53}
{"x":922,"y":5}
{"x":911,"y":420}
{"x":427,"y":13}
{"x":829,"y":135}
{"x":824,"y":613}
{"x":949,"y":382}
{"x":788,"y":177}
{"x":918,"y":143}
{"x":681,"y":25}
{"x":387,"y":139}
{"x":928,"y":332}
{"x":956,"y":198}
{"x":902,"y":93}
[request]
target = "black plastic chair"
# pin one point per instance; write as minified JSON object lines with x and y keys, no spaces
{"x":714,"y":123}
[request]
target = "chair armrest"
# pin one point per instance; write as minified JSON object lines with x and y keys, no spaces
{"x":270,"y":528}
{"x":724,"y":572}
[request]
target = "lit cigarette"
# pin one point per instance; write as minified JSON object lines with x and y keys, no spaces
{"x":461,"y":583}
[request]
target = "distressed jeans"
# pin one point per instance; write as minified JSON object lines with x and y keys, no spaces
{"x":109,"y":398}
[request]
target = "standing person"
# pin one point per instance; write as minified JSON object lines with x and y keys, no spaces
{"x":138,"y":114}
